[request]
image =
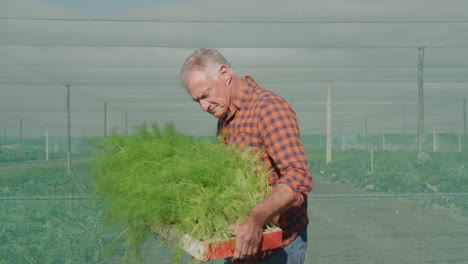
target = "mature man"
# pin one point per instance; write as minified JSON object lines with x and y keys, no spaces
{"x":250,"y":116}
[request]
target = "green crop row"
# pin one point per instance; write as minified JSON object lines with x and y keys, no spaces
{"x":400,"y":172}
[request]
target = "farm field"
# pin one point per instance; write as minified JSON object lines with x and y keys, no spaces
{"x":376,"y":90}
{"x":50,"y":217}
{"x":349,"y":225}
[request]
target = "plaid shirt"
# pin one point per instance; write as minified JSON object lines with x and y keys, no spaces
{"x":265,"y":122}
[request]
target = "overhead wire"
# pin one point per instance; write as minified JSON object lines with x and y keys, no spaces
{"x":429,"y":45}
{"x":225,"y":21}
{"x":149,"y":81}
{"x":28,"y":69}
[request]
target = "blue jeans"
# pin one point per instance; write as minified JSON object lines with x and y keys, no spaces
{"x":294,"y":253}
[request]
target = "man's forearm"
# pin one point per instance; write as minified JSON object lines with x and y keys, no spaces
{"x":279,"y":200}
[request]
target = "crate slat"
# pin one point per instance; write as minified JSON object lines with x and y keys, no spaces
{"x":217,"y":249}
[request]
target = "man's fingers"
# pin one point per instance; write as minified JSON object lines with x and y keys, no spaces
{"x":247,"y":240}
{"x":242,"y":247}
{"x":245,"y":248}
{"x":252,"y":247}
{"x":253,"y":250}
{"x":239,"y":252}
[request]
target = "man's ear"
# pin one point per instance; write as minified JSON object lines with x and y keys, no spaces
{"x":225,"y":73}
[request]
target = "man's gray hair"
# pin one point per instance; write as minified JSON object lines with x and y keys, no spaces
{"x":202,"y":60}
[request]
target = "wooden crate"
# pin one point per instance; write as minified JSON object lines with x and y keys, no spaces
{"x":218,"y":249}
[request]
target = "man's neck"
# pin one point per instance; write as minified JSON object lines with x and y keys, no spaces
{"x":236,"y":85}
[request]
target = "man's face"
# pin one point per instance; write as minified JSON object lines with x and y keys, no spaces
{"x":213,"y":94}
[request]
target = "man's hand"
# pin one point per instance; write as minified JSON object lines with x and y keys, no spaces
{"x":249,"y":234}
{"x":248,"y":238}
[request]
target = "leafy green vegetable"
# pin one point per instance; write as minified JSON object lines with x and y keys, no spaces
{"x":153,"y":179}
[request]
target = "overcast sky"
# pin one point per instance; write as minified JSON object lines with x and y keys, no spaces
{"x":128,"y":54}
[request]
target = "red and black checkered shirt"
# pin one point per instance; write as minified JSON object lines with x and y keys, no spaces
{"x":265,"y":122}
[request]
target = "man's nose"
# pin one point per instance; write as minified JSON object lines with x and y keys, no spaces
{"x":204,"y":105}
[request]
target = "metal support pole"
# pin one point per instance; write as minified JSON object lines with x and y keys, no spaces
{"x":105,"y":120}
{"x":21,"y":137}
{"x":421,"y":100}
{"x":329,"y":124}
{"x":126,"y":124}
{"x":464,"y":122}
{"x":459,"y":142}
{"x":405,"y":129}
{"x":47,"y":145}
{"x":384,"y":147}
{"x":69,"y":157}
{"x":365,"y":127}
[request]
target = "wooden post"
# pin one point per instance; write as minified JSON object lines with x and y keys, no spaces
{"x":459,"y":142}
{"x":372,"y":160}
{"x":47,"y":145}
{"x":367,"y":138}
{"x":421,"y":100}
{"x":405,"y":130}
{"x":126,"y":124}
{"x":342,"y":142}
{"x":6,"y":143}
{"x":21,"y":137}
{"x":434,"y":143}
{"x":329,"y":124}
{"x":105,"y":119}
{"x":464,"y":122}
{"x":383,"y":142}
{"x":69,"y":157}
